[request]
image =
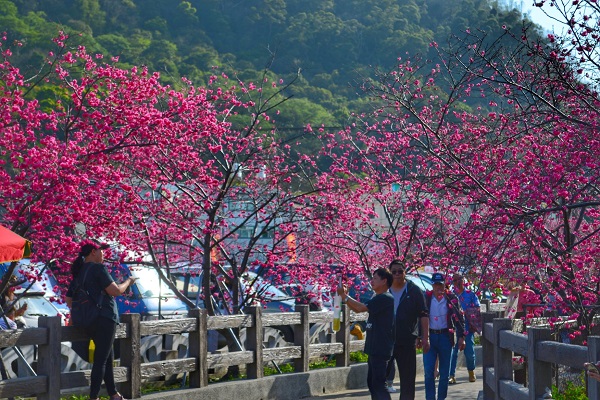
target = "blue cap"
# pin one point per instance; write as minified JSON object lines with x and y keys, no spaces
{"x":438,"y":278}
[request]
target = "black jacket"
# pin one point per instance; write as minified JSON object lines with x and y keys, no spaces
{"x":408,"y":314}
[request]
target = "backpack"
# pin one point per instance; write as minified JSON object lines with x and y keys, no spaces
{"x":84,"y":309}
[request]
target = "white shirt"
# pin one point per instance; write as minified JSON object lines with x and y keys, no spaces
{"x":438,"y":313}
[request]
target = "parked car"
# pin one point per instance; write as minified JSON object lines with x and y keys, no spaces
{"x":260,"y":290}
{"x":302,"y":288}
{"x":317,"y":298}
{"x":421,"y":279}
{"x":34,"y":291}
{"x":149,"y":296}
{"x":253,"y":289}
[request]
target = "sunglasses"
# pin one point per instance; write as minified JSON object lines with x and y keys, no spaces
{"x":397,"y":272}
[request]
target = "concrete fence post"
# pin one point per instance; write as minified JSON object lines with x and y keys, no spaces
{"x":593,"y":357}
{"x":503,"y":369}
{"x":198,"y":348}
{"x":49,"y":357}
{"x":131,"y":356}
{"x":486,"y":304}
{"x":487,"y":360}
{"x":254,"y":341}
{"x":302,"y":338}
{"x":343,"y":336}
{"x":539,"y":372}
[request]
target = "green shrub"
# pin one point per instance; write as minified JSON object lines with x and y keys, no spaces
{"x":327,"y":362}
{"x":359,"y":356}
{"x":572,"y":391}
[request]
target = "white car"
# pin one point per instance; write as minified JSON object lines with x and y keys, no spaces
{"x":274,"y":299}
{"x":38,"y":306}
{"x":421,"y":279}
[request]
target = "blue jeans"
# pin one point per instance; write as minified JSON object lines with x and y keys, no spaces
{"x":469,"y":354}
{"x":440,"y":346}
{"x":376,"y":377}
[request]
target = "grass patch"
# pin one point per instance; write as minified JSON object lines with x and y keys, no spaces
{"x":327,"y":362}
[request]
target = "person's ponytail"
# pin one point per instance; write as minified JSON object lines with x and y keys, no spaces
{"x":85,"y":251}
{"x":76,"y":265}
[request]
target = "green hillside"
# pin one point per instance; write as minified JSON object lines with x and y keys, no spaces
{"x":329,"y":42}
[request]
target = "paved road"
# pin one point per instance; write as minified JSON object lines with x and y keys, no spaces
{"x":463,"y":390}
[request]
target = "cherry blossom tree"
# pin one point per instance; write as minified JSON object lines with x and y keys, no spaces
{"x":225,"y":195}
{"x":512,"y":138}
{"x":575,"y":35}
{"x":185,"y":175}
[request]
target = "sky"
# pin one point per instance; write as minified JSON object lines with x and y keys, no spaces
{"x":537,"y":15}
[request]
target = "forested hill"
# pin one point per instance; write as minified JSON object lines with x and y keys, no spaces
{"x":329,"y":41}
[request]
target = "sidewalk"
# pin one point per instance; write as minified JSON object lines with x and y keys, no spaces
{"x":462,"y":390}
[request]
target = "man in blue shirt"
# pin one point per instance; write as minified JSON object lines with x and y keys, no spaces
{"x":380,"y":330}
{"x":467,"y":299}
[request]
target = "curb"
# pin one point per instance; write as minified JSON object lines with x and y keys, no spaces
{"x":282,"y":387}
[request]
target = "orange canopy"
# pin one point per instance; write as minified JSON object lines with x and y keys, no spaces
{"x":12,"y":246}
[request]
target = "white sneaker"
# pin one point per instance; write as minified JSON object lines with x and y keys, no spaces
{"x":391,"y":389}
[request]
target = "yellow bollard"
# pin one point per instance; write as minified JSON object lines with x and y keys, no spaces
{"x":91,"y":351}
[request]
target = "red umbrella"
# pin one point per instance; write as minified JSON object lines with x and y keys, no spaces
{"x":12,"y":246}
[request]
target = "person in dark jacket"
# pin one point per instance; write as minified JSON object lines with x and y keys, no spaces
{"x":446,"y":319}
{"x":103,"y":329}
{"x":380,"y":330}
{"x":412,"y":327}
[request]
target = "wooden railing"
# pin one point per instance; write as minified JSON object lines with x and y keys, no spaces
{"x":49,"y":382}
{"x":499,"y":342}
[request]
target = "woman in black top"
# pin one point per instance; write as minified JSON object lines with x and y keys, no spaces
{"x":103,"y":329}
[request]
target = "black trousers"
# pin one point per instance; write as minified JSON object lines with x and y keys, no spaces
{"x":405,"y":354}
{"x":376,"y":378}
{"x":102,"y":332}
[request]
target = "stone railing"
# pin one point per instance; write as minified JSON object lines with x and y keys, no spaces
{"x":132,"y":370}
{"x":500,"y":342}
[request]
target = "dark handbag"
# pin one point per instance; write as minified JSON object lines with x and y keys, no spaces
{"x":84,"y":309}
{"x":473,"y":316}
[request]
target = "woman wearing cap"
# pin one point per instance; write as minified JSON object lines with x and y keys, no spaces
{"x":446,"y":320}
{"x":103,"y":329}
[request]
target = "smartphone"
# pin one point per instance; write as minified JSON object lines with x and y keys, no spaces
{"x":591,"y":367}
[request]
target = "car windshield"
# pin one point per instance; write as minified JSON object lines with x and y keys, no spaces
{"x":420,"y":282}
{"x":38,"y":306}
{"x":149,"y":283}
